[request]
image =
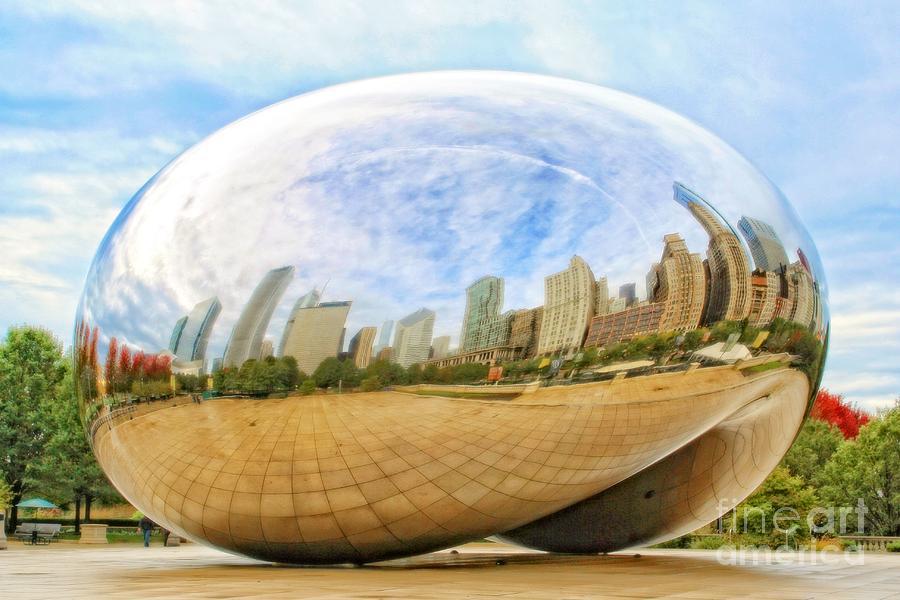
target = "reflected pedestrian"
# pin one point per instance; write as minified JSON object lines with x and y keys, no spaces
{"x":146,"y":526}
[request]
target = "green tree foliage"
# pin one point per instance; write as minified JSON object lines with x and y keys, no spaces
{"x":869,"y":468}
{"x":66,"y":469}
{"x":775,"y":514}
{"x":31,"y":370}
{"x":260,"y":376}
{"x":308,"y":387}
{"x":188,"y":383}
{"x":328,"y":373}
{"x":814,"y":446}
{"x":5,"y":494}
{"x":370,"y":384}
{"x":387,"y":372}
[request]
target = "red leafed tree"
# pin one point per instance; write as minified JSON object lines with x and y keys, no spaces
{"x":832,"y":409}
{"x":110,"y":370}
{"x":137,"y":364}
{"x":92,"y":353}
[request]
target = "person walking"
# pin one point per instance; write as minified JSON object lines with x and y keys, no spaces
{"x":146,"y":526}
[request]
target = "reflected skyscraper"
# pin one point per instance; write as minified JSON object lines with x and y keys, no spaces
{"x":176,"y":334}
{"x":729,"y":271}
{"x":412,"y":342}
{"x":601,"y":296}
{"x":384,"y":337}
{"x":307,"y":300}
{"x":440,"y":346}
{"x":315,"y":333}
{"x":361,"y":346}
{"x":628,"y":291}
{"x":525,"y":329}
{"x":484,"y":299}
{"x":764,"y":287}
{"x":568,"y":308}
{"x":678,"y":281}
{"x":247,"y":335}
{"x":765,"y":246}
{"x":196,"y":328}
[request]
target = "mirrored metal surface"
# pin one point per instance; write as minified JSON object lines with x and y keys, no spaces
{"x":403,"y":313}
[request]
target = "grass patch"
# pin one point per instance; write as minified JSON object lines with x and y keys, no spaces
{"x":469,"y":395}
{"x":764,"y":367}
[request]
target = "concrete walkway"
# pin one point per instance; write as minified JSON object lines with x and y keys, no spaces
{"x":477,"y":571}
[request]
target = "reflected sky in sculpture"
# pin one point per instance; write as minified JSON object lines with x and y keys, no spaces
{"x":399,"y":192}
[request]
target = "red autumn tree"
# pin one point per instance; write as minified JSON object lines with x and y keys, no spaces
{"x":110,"y":370}
{"x":832,"y":409}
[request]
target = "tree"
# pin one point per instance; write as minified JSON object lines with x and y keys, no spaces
{"x":815,"y":444}
{"x":67,"y":471}
{"x":307,"y":387}
{"x":31,"y":368}
{"x":370,"y":384}
{"x":868,"y":468}
{"x":389,"y":373}
{"x":831,"y":408}
{"x":776,"y":512}
{"x":328,"y":373}
{"x":110,"y":368}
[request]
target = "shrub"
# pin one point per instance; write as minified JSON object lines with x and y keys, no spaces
{"x":893,"y":547}
{"x":308,"y":387}
{"x":370,"y":384}
{"x":708,"y":542}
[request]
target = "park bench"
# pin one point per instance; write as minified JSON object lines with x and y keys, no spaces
{"x":38,"y":533}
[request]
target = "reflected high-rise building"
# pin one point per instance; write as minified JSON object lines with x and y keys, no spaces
{"x":440,"y":346}
{"x":315,"y":333}
{"x":628,"y":291}
{"x":307,"y":300}
{"x":384,"y":337}
{"x":678,"y":281}
{"x":601,"y":296}
{"x":525,"y":329}
{"x":412,"y":340}
{"x":247,"y":335}
{"x":765,"y":246}
{"x":266,"y":349}
{"x":484,"y":299}
{"x":568,"y":308}
{"x":176,"y":334}
{"x":729,"y":270}
{"x":195,"y":330}
{"x":764,"y":289}
{"x":361,"y":346}
{"x":800,"y":304}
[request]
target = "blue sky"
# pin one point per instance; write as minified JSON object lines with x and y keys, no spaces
{"x":97,"y":96}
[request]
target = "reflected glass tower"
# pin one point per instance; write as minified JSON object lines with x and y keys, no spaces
{"x":440,"y":346}
{"x":484,"y":299}
{"x":765,"y":246}
{"x":412,"y":342}
{"x":247,"y":336}
{"x":176,"y":334}
{"x":196,"y":329}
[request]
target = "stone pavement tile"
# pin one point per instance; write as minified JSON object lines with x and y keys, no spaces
{"x":477,"y":571}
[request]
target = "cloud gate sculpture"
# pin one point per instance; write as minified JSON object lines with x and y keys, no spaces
{"x":399,"y":314}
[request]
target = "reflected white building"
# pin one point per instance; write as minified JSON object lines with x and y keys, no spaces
{"x":247,"y":336}
{"x":315,"y":333}
{"x":193,"y":336}
{"x":307,"y":300}
{"x":412,"y":341}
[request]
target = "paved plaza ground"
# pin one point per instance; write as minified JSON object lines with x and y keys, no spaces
{"x":68,"y":570}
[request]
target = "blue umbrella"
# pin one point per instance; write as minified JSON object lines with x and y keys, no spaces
{"x":36,"y":503}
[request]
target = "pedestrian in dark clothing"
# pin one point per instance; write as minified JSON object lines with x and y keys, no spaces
{"x":147,"y":526}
